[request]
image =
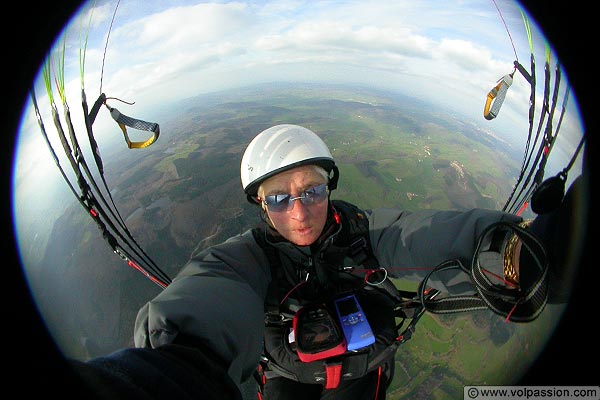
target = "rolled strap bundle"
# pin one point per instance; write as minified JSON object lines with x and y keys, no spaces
{"x":522,"y":293}
{"x":518,"y":293}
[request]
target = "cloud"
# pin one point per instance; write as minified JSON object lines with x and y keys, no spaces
{"x":451,"y":52}
{"x":184,"y":29}
{"x":467,"y":55}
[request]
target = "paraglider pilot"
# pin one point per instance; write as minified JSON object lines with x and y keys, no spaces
{"x":284,"y":302}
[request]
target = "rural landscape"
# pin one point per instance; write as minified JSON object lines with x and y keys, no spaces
{"x":183,"y":194}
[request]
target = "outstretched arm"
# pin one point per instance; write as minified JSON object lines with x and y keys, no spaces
{"x":411,"y":244}
{"x":217,"y":300}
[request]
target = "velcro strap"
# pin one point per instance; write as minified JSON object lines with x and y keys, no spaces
{"x":333,"y":375}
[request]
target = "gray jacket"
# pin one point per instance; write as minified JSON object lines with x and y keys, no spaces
{"x":218,"y":297}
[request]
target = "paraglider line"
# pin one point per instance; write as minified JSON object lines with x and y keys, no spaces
{"x":106,"y":44}
{"x":507,"y":31}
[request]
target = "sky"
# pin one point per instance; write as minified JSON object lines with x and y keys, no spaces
{"x":152,"y":53}
{"x":157,"y":52}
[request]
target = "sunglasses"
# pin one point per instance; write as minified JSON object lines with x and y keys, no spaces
{"x":285,"y":202}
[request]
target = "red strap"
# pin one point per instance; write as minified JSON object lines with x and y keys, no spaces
{"x":261,"y":378}
{"x":333,"y":375}
{"x":523,"y":207}
{"x":378,"y":383}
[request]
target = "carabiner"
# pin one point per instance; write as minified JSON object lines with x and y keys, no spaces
{"x":379,"y":279}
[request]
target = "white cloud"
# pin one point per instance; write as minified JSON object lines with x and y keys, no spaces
{"x":452,"y":52}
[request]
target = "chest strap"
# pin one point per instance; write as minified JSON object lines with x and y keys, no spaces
{"x":333,"y":374}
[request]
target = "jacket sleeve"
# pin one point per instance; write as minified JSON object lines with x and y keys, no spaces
{"x":216,"y":299}
{"x":410,"y":244}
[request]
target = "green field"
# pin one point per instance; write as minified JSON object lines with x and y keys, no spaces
{"x":391,"y":151}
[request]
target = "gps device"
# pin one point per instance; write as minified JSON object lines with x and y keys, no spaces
{"x":355,"y":326}
{"x":317,"y":334}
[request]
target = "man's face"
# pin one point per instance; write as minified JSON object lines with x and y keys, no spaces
{"x":302,"y":223}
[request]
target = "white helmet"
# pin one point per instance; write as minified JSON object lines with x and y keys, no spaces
{"x":280,"y":148}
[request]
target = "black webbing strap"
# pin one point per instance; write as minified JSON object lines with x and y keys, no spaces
{"x":521,"y":304}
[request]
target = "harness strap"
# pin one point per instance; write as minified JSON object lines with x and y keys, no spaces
{"x":519,"y":305}
{"x":261,"y":378}
{"x":378,"y":383}
{"x":333,"y":374}
{"x":272,"y":310}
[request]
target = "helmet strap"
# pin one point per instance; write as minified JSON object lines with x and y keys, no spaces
{"x":252,"y":199}
{"x":333,"y":180}
{"x":265,"y":217}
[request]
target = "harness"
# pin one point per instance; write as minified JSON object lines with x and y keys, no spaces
{"x":343,"y":263}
